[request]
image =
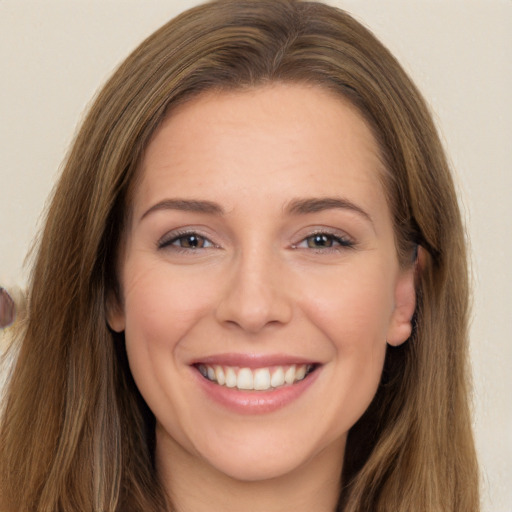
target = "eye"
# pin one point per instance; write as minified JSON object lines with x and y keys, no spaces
{"x":187,"y":241}
{"x":325,"y":241}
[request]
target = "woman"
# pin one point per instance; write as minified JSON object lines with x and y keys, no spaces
{"x":251,"y":290}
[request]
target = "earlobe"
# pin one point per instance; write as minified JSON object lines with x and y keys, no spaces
{"x":400,"y":327}
{"x":115,"y":314}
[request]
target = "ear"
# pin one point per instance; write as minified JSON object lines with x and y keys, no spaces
{"x":115,"y":313}
{"x":400,"y":326}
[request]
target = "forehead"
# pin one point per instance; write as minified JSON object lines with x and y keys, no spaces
{"x":280,"y":136}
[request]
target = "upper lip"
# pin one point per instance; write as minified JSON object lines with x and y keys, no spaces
{"x":252,"y":360}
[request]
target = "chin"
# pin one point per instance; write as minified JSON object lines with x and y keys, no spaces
{"x":254,"y":468}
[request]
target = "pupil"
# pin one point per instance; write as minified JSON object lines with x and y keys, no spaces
{"x":192,"y":241}
{"x":321,"y":241}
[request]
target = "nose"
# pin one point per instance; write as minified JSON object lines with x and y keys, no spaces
{"x":256,"y":294}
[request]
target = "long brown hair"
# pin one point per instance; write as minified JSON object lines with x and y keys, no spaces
{"x":75,"y":433}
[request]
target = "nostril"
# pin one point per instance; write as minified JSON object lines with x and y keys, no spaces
{"x":254,"y":311}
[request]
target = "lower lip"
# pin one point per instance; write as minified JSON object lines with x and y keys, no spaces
{"x":256,"y":402}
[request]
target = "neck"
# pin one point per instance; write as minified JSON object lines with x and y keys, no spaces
{"x":193,"y":485}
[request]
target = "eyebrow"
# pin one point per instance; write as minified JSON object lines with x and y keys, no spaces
{"x":294,"y":207}
{"x":186,"y":205}
{"x":313,"y":205}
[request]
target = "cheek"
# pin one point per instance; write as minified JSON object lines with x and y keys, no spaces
{"x":161,"y":308}
{"x":162,"y":305}
{"x":353,"y":308}
{"x":353,"y":311}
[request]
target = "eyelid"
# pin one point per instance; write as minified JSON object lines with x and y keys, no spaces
{"x":174,"y":235}
{"x":341,"y":238}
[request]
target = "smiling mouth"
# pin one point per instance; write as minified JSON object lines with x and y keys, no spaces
{"x":255,"y":379}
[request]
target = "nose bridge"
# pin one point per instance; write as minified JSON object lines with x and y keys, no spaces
{"x":255,"y":294}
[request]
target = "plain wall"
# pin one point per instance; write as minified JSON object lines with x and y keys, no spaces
{"x":55,"y":54}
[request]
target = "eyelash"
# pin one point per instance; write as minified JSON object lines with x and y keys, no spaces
{"x":175,"y":239}
{"x":338,"y":243}
{"x":170,"y":240}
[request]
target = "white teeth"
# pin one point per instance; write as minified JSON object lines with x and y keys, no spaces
{"x":262,"y":379}
{"x":259,"y":379}
{"x":219,"y":375}
{"x":289,"y":375}
{"x":245,"y":379}
{"x":300,"y":373}
{"x":277,"y":378}
{"x":230,"y":377}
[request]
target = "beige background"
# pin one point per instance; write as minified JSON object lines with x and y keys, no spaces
{"x":55,"y":54}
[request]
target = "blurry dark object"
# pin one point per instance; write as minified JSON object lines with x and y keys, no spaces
{"x":7,"y":309}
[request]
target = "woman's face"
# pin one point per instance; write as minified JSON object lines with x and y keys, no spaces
{"x":260,"y":280}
